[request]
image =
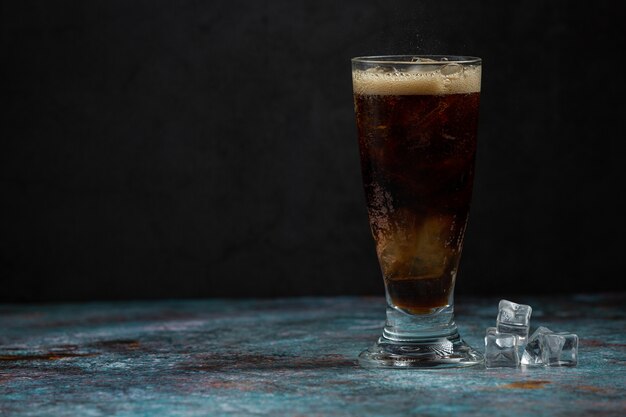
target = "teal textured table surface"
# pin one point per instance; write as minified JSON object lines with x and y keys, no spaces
{"x":293,"y":357}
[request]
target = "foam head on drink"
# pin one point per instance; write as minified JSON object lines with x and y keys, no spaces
{"x":450,"y":79}
{"x":417,"y":139}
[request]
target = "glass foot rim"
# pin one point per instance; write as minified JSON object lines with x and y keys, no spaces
{"x":450,"y":352}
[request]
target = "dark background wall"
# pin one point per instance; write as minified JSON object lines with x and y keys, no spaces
{"x":194,"y":149}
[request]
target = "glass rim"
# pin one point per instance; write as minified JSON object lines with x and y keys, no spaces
{"x":409,"y":59}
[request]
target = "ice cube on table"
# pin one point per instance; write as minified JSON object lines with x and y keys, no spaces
{"x":532,"y":352}
{"x":559,"y":349}
{"x":490,"y":330}
{"x":514,"y":318}
{"x":501,"y":349}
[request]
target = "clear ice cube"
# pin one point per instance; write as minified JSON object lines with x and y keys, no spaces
{"x":452,"y":70}
{"x":514,"y":318}
{"x":559,"y":349}
{"x":381,"y":70}
{"x":422,"y":60}
{"x":501,"y":349}
{"x":532,"y":352}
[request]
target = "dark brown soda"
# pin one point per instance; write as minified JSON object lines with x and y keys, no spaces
{"x":417,"y":161}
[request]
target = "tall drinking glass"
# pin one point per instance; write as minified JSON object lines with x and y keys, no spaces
{"x":417,"y":119}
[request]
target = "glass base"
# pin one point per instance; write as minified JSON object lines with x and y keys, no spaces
{"x":443,"y":352}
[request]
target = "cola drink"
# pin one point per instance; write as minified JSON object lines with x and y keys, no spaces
{"x":417,"y":140}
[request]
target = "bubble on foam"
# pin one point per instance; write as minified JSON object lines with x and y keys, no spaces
{"x":419,"y":80}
